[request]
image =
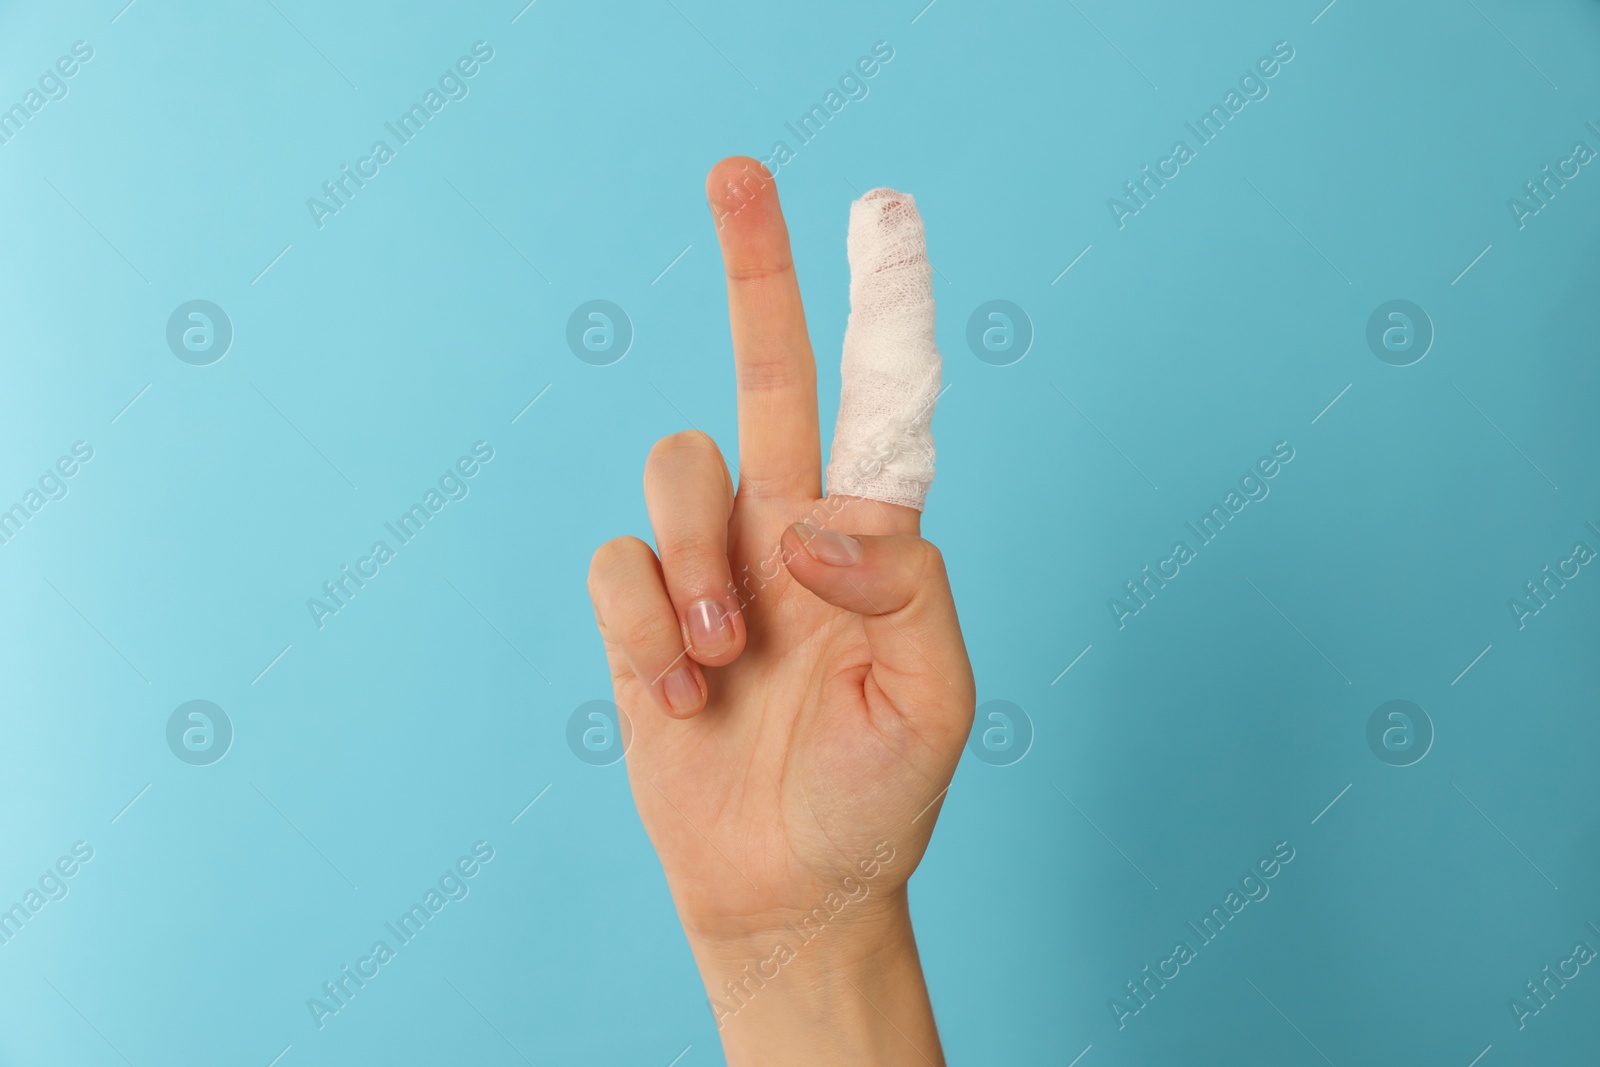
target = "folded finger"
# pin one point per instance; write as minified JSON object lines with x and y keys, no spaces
{"x":637,"y":616}
{"x":690,"y":498}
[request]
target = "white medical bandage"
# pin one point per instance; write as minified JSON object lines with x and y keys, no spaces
{"x":883,"y":443}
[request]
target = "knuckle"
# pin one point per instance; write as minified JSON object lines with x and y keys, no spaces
{"x":760,"y":270}
{"x":610,"y":558}
{"x":689,"y":550}
{"x":930,"y":567}
{"x":684,"y":445}
{"x":687,"y":453}
{"x":621,"y":676}
{"x":686,"y":457}
{"x":774,"y":371}
{"x":787,"y":487}
{"x":647,"y":634}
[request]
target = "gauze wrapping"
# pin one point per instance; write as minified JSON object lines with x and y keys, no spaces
{"x":883,"y":443}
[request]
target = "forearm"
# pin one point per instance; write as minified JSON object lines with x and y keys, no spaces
{"x":852,"y":994}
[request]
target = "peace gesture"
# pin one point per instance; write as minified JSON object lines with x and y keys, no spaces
{"x":790,"y":664}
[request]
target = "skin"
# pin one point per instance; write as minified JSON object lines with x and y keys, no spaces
{"x":789,"y":743}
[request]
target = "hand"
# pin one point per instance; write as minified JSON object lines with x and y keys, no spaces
{"x":798,"y":695}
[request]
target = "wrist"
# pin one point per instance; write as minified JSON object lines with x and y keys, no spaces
{"x":821,"y":987}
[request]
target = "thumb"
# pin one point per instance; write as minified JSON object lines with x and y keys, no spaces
{"x":898,"y":585}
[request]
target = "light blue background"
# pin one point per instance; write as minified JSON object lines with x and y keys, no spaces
{"x":422,"y":318}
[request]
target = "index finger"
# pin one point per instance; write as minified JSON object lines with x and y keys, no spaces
{"x":780,"y":453}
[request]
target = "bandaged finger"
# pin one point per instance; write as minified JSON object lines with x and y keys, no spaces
{"x":890,"y":370}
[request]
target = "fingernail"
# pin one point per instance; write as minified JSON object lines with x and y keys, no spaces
{"x":825,"y":546}
{"x":683,"y":692}
{"x":710,"y":628}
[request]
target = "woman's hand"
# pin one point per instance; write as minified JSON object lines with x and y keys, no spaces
{"x":798,"y":692}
